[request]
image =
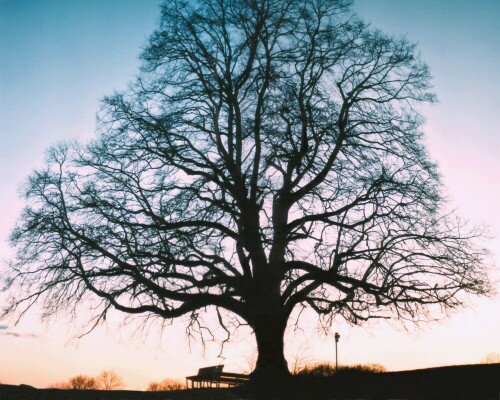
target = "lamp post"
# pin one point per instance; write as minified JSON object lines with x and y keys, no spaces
{"x":337,"y":337}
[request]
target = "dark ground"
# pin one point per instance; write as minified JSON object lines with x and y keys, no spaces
{"x":466,"y":382}
{"x":11,"y":392}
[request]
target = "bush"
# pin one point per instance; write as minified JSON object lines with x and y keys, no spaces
{"x":491,"y":358}
{"x":83,"y":382}
{"x":321,"y":369}
{"x":370,"y":367}
{"x":164,"y":385}
{"x":327,"y":369}
{"x":59,"y":385}
{"x":107,"y":380}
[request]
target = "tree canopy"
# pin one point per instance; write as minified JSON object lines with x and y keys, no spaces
{"x":268,"y":156}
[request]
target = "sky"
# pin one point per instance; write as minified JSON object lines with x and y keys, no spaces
{"x":58,"y":58}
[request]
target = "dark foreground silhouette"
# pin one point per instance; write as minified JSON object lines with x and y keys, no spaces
{"x":471,"y":382}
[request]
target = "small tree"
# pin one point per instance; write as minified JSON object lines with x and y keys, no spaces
{"x":83,"y":382}
{"x":109,"y":380}
{"x":106,"y":380}
{"x":269,"y":157}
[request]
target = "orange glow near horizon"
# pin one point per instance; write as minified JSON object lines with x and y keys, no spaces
{"x":52,"y":356}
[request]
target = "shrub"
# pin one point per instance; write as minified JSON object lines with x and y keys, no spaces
{"x":370,"y":367}
{"x":164,"y":385}
{"x":321,"y":369}
{"x":491,"y":358}
{"x":83,"y":382}
{"x":107,"y":380}
{"x":59,"y":385}
{"x":327,"y":369}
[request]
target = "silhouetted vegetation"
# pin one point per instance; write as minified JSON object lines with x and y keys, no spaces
{"x":269,"y":156}
{"x":466,"y":382}
{"x":81,"y":382}
{"x":165,"y":384}
{"x":110,"y":380}
{"x":327,"y":369}
{"x":106,"y":380}
{"x":491,"y":358}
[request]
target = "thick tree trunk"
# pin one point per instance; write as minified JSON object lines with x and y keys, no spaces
{"x":271,"y":370}
{"x":268,"y":320}
{"x":269,"y":334}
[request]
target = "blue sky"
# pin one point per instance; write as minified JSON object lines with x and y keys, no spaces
{"x":58,"y":58}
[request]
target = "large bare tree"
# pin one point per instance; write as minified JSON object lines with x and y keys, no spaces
{"x":268,"y":157}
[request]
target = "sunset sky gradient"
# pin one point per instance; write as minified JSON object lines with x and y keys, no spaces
{"x":58,"y":58}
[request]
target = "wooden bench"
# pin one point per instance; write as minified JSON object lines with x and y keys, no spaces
{"x":210,"y":376}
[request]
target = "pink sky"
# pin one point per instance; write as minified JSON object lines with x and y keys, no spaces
{"x":61,"y":58}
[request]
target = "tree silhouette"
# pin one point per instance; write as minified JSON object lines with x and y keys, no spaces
{"x":83,"y":382}
{"x":109,"y":380}
{"x":106,"y":380}
{"x":268,"y":157}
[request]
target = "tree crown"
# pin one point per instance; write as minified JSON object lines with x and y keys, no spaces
{"x":269,"y":155}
